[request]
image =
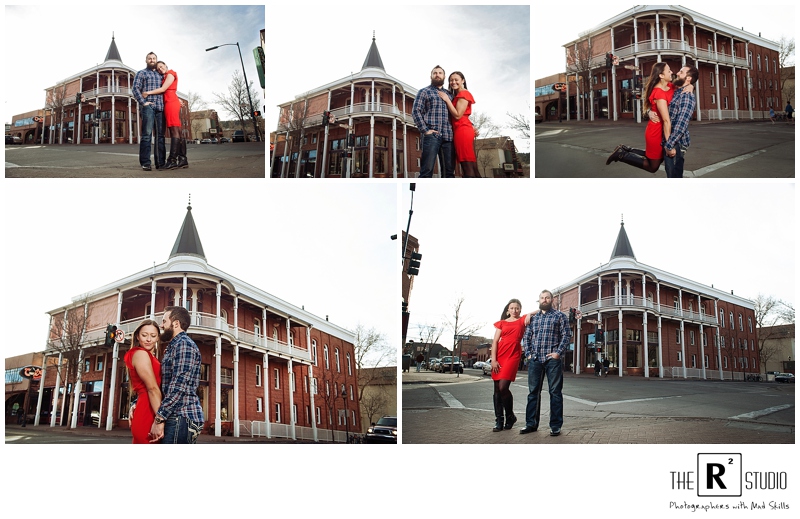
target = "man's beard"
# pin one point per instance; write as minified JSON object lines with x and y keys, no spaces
{"x":678,"y":81}
{"x":437,"y":82}
{"x":167,"y":335}
{"x":545,"y":307}
{"x":151,"y":67}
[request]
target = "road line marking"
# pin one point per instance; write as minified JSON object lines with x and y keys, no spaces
{"x":762,"y":412}
{"x":719,"y":165}
{"x":450,"y":400}
{"x":551,"y":132}
{"x":10,"y":165}
{"x":112,"y":153}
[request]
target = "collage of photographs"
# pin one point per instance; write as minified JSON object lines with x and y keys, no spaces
{"x":211,"y":212}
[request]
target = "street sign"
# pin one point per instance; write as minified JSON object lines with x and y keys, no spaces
{"x":119,"y":336}
{"x":461,"y":337}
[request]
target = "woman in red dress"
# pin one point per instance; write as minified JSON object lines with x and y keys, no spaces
{"x":460,"y":109}
{"x":144,"y":371}
{"x":506,"y":353}
{"x":172,"y":112}
{"x":658,"y":95}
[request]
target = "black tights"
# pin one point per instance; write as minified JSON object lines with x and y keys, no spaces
{"x":174,"y":132}
{"x":501,"y":387}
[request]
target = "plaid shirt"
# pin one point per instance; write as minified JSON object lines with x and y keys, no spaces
{"x":548,"y":332}
{"x":430,"y":112}
{"x":145,"y":81}
{"x":180,"y":375}
{"x":680,"y":112}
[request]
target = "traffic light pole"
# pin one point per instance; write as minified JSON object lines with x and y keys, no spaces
{"x":413,"y":187}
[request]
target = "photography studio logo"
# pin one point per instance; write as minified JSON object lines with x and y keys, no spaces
{"x":719,"y":475}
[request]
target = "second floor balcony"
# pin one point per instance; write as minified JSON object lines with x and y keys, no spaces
{"x":639,"y":303}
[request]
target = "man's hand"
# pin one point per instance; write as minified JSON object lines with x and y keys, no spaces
{"x":130,"y":413}
{"x":671,"y":153}
{"x":555,"y":356}
{"x":430,"y":132}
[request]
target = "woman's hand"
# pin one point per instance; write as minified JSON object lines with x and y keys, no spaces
{"x":495,"y":367}
{"x":689,"y":88}
{"x":444,"y":96}
{"x":145,"y":94}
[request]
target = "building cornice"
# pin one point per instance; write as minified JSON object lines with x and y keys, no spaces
{"x":367,"y":74}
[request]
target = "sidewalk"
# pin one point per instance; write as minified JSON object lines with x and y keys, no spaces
{"x":474,"y":426}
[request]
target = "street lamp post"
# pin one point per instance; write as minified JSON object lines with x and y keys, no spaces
{"x":246,"y":86}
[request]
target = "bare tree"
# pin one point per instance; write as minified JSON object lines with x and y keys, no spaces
{"x":293,"y":122}
{"x":67,"y":338}
{"x":195,"y":103}
{"x":770,"y":312}
{"x":520,"y":123}
{"x":579,"y":62}
{"x":460,"y":324}
{"x":375,"y":401}
{"x":328,"y":391}
{"x":56,"y":101}
{"x":486,"y":132}
{"x":786,"y":59}
{"x":371,"y":351}
{"x":429,"y":335}
{"x":236,"y":101}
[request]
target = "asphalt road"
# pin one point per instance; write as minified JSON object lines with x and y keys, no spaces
{"x":718,"y":150}
{"x":611,"y":402}
{"x":232,"y":160}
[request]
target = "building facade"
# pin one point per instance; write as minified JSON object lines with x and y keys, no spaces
{"x":653,"y":323}
{"x":379,"y":395}
{"x":268,"y":368}
{"x":777,"y":347}
{"x":95,"y":106}
{"x":21,"y":390}
{"x":739,"y":71}
{"x":370,"y":131}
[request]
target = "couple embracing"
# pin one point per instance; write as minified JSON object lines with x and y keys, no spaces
{"x":442,"y":117}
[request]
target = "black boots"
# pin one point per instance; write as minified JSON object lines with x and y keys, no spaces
{"x":173,"y":153}
{"x":627,"y":155}
{"x":498,"y":413}
{"x":508,"y":406}
{"x":181,"y":159}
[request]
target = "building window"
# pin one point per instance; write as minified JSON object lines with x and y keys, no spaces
{"x":314,"y":385}
{"x":691,"y":337}
{"x":87,"y":365}
{"x":758,"y":59}
{"x":294,"y":413}
{"x":258,"y":375}
{"x":730,"y":317}
{"x":325,"y":355}
{"x":677,"y":335}
{"x":336,"y":357}
{"x":319,"y":419}
{"x":705,"y":361}
{"x":680,"y":357}
{"x":305,"y":383}
{"x":722,"y":318}
{"x":725,"y":103}
{"x":725,"y":362}
{"x":713,"y":99}
{"x":694,"y":360}
{"x":351,"y":392}
{"x":258,"y":405}
{"x":277,"y":412}
{"x":741,"y":323}
{"x":314,"y":351}
{"x":226,"y":376}
{"x":204,"y":369}
{"x":711,"y":76}
{"x":277,"y":375}
{"x":349,"y":366}
{"x":722,"y":341}
{"x":308,"y":414}
{"x":98,"y":364}
{"x":291,"y":381}
{"x":603,"y":77}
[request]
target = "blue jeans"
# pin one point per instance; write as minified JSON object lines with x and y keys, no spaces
{"x":432,"y":147}
{"x":152,"y":119}
{"x":674,"y":165}
{"x":178,"y":429}
{"x":555,"y":381}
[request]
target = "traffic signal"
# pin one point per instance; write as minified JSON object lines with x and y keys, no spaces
{"x":598,"y":335}
{"x":111,"y":331}
{"x":572,"y":317}
{"x":405,"y":307}
{"x":325,"y":115}
{"x":78,"y":98}
{"x":256,"y":114}
{"x":413,"y":264}
{"x":637,"y":81}
{"x":351,"y":140}
{"x":608,"y":59}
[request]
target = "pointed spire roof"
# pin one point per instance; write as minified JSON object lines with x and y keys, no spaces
{"x":113,"y":53}
{"x":188,"y":241}
{"x":373,"y":56}
{"x":623,"y":246}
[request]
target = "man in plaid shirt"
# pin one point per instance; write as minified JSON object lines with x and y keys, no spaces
{"x":680,"y":112}
{"x":151,"y":111}
{"x":180,"y":417}
{"x":433,"y":122}
{"x":545,"y":341}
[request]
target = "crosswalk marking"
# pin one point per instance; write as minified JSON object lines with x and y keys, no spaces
{"x":450,"y":400}
{"x":762,"y":412}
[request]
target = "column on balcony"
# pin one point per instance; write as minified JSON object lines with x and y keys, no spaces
{"x":265,"y":382}
{"x":371,"y":145}
{"x":218,"y":325}
{"x":716,"y":74}
{"x":735,"y":86}
{"x":702,"y":350}
{"x":683,"y":348}
{"x":130,"y":122}
{"x":114,"y":359}
{"x":577,"y":360}
{"x":236,"y":316}
{"x":716,"y":339}
{"x":56,"y":392}
{"x":394,"y":131}
{"x":153,"y":289}
{"x":291,"y":397}
{"x":747,"y":58}
{"x":599,"y":292}
{"x":77,"y":390}
{"x":646,"y":344}
{"x":683,"y":43}
{"x":313,"y":386}
{"x":680,"y":302}
{"x":236,"y":389}
{"x":113,"y":119}
{"x":405,"y":138}
{"x":217,"y":388}
{"x":658,"y":35}
{"x":660,"y":352}
{"x":618,"y":288}
{"x":619,"y":340}
{"x":613,"y":77}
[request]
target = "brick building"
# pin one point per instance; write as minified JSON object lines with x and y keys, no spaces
{"x":268,"y":367}
{"x":106,"y":111}
{"x":658,"y":324}
{"x":372,"y":134}
{"x":739,"y":71}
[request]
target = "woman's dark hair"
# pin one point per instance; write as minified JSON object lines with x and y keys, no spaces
{"x":504,"y":315}
{"x":462,"y":78}
{"x":161,"y":63}
{"x":658,"y":69}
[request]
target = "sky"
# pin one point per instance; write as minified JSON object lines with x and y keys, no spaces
{"x":80,"y":40}
{"x":772,"y":21}
{"x":484,"y":243}
{"x":325,"y":247}
{"x":490,"y":45}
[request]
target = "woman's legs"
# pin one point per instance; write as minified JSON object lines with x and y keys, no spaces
{"x":174,"y":146}
{"x":469,"y":170}
{"x":503,"y":402}
{"x":634,"y":157}
{"x":182,"y":161}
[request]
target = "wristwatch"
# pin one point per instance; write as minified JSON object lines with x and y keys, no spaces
{"x":159,"y":420}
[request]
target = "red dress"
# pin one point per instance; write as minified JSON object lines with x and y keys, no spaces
{"x":509,"y":348}
{"x":143,"y":415}
{"x":463,"y":132}
{"x":654,"y":133}
{"x":172,"y":105}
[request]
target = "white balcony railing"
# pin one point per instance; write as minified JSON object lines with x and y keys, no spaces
{"x":640,"y":303}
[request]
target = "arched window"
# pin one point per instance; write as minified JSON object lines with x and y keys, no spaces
{"x":327,"y":359}
{"x":730,"y":316}
{"x":336,"y":355}
{"x":349,"y":366}
{"x":741,"y":323}
{"x":314,"y":351}
{"x":750,"y":324}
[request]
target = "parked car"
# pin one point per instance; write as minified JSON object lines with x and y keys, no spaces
{"x":382,"y":431}
{"x":214,"y":141}
{"x":455,"y":362}
{"x":434,"y":364}
{"x":478,"y":365}
{"x":13,"y":139}
{"x":224,"y":140}
{"x":205,"y":141}
{"x":487,"y":367}
{"x":238,"y":136}
{"x":784,"y":377}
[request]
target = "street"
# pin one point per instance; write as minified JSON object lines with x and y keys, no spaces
{"x":230,"y":160}
{"x":438,"y":408}
{"x":718,"y":150}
